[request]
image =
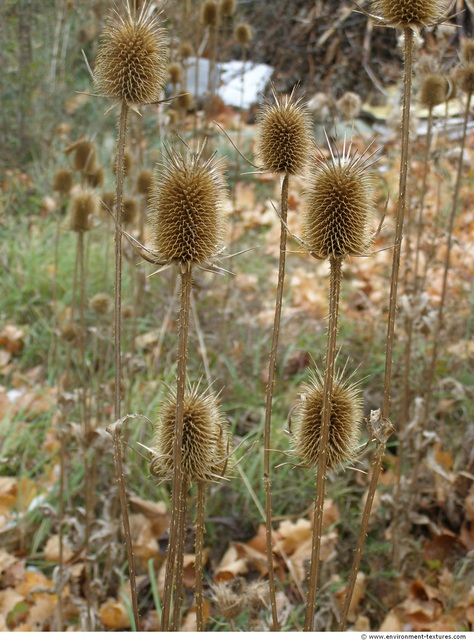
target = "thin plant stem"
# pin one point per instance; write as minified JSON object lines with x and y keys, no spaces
{"x":199,"y":551}
{"x":118,"y":452}
{"x":421,"y":205}
{"x":269,"y":398}
{"x":179,"y":564}
{"x":334,"y":293}
{"x":447,"y":262}
{"x":173,"y":545}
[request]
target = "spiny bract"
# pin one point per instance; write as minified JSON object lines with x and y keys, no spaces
{"x":346,"y":415}
{"x":205,"y":438}
{"x":283,"y":135}
{"x":132,"y":59}
{"x":339,"y":205}
{"x":186,"y":209}
{"x":406,"y":13}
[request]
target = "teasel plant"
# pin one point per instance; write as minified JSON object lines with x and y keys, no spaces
{"x":409,"y":16}
{"x":337,"y":217}
{"x":205,"y":453}
{"x":130,"y":68}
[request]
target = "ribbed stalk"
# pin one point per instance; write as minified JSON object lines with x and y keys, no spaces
{"x":199,"y":551}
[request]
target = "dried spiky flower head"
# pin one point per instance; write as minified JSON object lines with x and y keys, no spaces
{"x":203,"y":427}
{"x":83,"y":206}
{"x":95,"y":178}
{"x":101,"y":303}
{"x":144,"y":182}
{"x":175,"y":72}
{"x":467,"y":51}
{"x":186,"y":209}
{"x":435,"y":90}
{"x":227,"y":7}
{"x":349,"y":105}
{"x":107,"y":202}
{"x":344,"y":424}
{"x":185,"y":50}
{"x":132,"y":59}
{"x":62,"y":181}
{"x":228,"y":599}
{"x":129,"y":211}
{"x":339,"y":206}
{"x":84,"y":156}
{"x":243,"y":34}
{"x":410,"y":13}
{"x":283,"y":134}
{"x":184,"y":102}
{"x":209,"y":13}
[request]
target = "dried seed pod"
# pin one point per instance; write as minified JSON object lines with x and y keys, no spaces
{"x":209,"y":13}
{"x":107,"y":202}
{"x":62,"y":181}
{"x":203,"y":427}
{"x":349,"y":105}
{"x":227,"y":7}
{"x":339,"y":207}
{"x":467,"y":51}
{"x":144,"y":182}
{"x":84,"y":156}
{"x":435,"y":90}
{"x":95,"y":178}
{"x":283,"y":134}
{"x":406,"y":13}
{"x":132,"y":59}
{"x":127,"y":311}
{"x":229,"y":603}
{"x":70,"y":331}
{"x":186,"y":209}
{"x":175,"y":73}
{"x":344,"y":424}
{"x":129,"y":211}
{"x":466,"y":77}
{"x":243,"y":34}
{"x":183,"y":102}
{"x":185,"y":50}
{"x":83,"y":206}
{"x":101,"y":303}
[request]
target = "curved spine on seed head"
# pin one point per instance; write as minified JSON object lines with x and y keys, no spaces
{"x":205,"y":438}
{"x":283,"y":134}
{"x":344,"y":425}
{"x":339,"y":206}
{"x":132,"y":59}
{"x":186,"y":209}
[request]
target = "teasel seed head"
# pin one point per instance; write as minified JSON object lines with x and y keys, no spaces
{"x":349,"y":105}
{"x":229,"y":602}
{"x":339,"y":206}
{"x":83,"y":206}
{"x":410,"y":13}
{"x":243,"y":34}
{"x":107,"y":202}
{"x":95,"y":178}
{"x":132,"y":59}
{"x":204,"y":426}
{"x":62,"y":181}
{"x":183,"y":102}
{"x":345,"y":419}
{"x":209,"y":13}
{"x":467,"y":51}
{"x":185,"y":50}
{"x":175,"y":73}
{"x":186,"y":209}
{"x":283,"y":134}
{"x":101,"y":303}
{"x":129,"y":211}
{"x":70,"y":331}
{"x":84,"y":156}
{"x":228,"y":7}
{"x":435,"y":90}
{"x":144,"y":182}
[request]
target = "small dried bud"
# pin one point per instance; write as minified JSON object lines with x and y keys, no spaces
{"x":227,"y":7}
{"x":62,"y":181}
{"x":184,"y":102}
{"x":435,"y":90}
{"x":346,"y":415}
{"x":101,"y":303}
{"x":209,"y":13}
{"x":185,"y":50}
{"x":95,"y":178}
{"x":83,"y":206}
{"x":243,"y":34}
{"x":283,"y":135}
{"x":70,"y":331}
{"x":144,"y":182}
{"x":339,"y":206}
{"x":107,"y":202}
{"x":127,"y":311}
{"x":204,"y":426}
{"x":175,"y":73}
{"x":84,"y":156}
{"x":186,"y":209}
{"x":129,"y":211}
{"x":132,"y":58}
{"x":405,"y":13}
{"x":349,"y":105}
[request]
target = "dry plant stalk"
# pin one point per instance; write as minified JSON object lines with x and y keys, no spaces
{"x":283,"y":142}
{"x":131,"y":69}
